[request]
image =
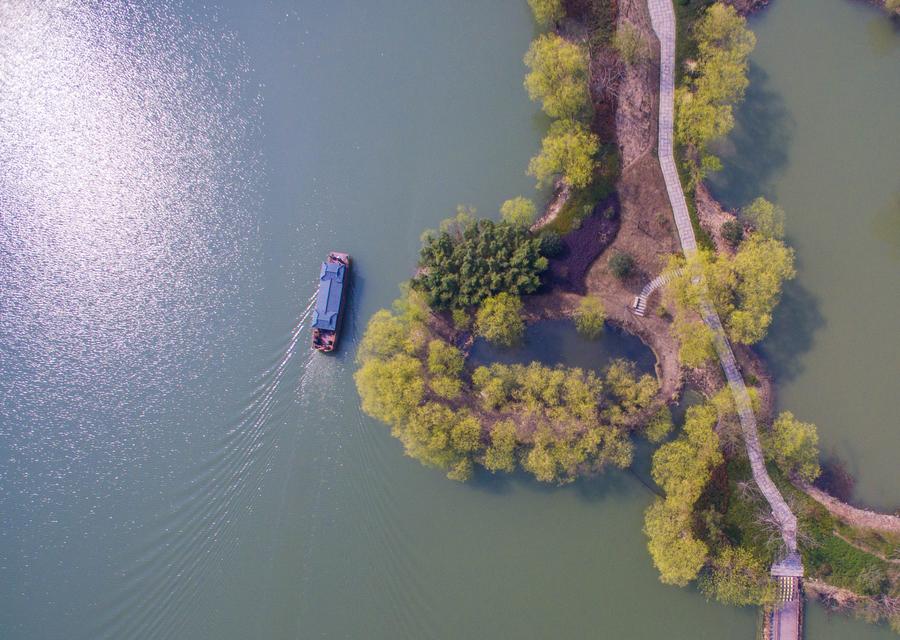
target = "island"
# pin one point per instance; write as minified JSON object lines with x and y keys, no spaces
{"x":639,"y":91}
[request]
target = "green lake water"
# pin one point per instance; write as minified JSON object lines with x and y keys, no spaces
{"x":175,"y":462}
{"x":819,"y":134}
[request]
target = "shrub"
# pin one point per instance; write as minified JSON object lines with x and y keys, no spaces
{"x":630,"y":44}
{"x":733,"y":232}
{"x":589,"y":317}
{"x":552,"y":244}
{"x":500,"y":320}
{"x":621,"y":264}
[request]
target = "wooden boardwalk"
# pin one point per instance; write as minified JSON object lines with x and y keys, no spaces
{"x":786,"y":615}
{"x":662,"y":17}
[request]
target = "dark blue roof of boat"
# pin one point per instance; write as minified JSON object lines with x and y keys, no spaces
{"x":328,"y":302}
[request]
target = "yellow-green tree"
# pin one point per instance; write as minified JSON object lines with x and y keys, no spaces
{"x":519,"y":211}
{"x":676,"y":553}
{"x":767,"y":218}
{"x":547,"y":11}
{"x":499,"y":319}
{"x":558,"y":76}
{"x":568,"y":150}
{"x":794,"y":446}
{"x":589,"y":317}
{"x":695,"y":339}
{"x":737,"y":577}
{"x":704,"y":105}
{"x":501,"y":454}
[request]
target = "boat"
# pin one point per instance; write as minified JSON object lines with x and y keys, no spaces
{"x":334,"y":280}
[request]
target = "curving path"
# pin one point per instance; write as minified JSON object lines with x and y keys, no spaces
{"x":662,"y":17}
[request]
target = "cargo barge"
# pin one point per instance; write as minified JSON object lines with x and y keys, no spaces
{"x":334,"y":280}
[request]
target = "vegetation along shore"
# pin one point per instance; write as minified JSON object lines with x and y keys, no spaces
{"x":605,"y":233}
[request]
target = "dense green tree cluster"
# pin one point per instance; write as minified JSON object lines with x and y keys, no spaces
{"x":568,"y":149}
{"x":554,"y":411}
{"x":558,"y":76}
{"x":744,"y":288}
{"x":499,"y":319}
{"x":704,"y":105}
{"x":468,"y":260}
{"x":682,"y":468}
{"x":659,"y":425}
{"x":589,"y":317}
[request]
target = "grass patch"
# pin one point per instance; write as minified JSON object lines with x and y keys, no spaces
{"x":825,"y":555}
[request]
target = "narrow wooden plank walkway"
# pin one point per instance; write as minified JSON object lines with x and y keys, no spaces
{"x":662,"y":16}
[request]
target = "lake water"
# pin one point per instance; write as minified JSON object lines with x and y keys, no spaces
{"x":817,"y":135}
{"x":175,"y":462}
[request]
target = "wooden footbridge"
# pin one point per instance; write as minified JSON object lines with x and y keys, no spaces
{"x":786,"y":615}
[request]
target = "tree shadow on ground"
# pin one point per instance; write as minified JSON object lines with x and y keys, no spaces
{"x":611,"y":483}
{"x":792,"y":333}
{"x":756,"y":151}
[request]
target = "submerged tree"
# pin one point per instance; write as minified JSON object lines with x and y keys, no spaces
{"x":767,"y":218}
{"x":558,"y":76}
{"x":589,"y":317}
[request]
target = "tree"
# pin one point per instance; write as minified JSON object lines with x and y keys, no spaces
{"x":444,"y":359}
{"x":552,"y":244}
{"x":501,"y":454}
{"x":744,"y":288}
{"x":760,"y":268}
{"x":659,"y":426}
{"x":630,"y":44}
{"x":500,"y":320}
{"x":440,"y":437}
{"x":675,"y":552}
{"x":738,"y":578}
{"x":390,"y":389}
{"x":683,"y":467}
{"x":696,"y":346}
{"x":519,"y":211}
{"x":767,"y":218}
{"x":893,"y":5}
{"x":704,"y":108}
{"x":794,"y":446}
{"x":589,"y":317}
{"x":627,"y":394}
{"x":468,"y":260}
{"x":621,"y":264}
{"x":558,"y":76}
{"x":547,"y":11}
{"x":568,"y":149}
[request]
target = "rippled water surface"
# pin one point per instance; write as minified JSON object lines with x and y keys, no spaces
{"x":175,"y":462}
